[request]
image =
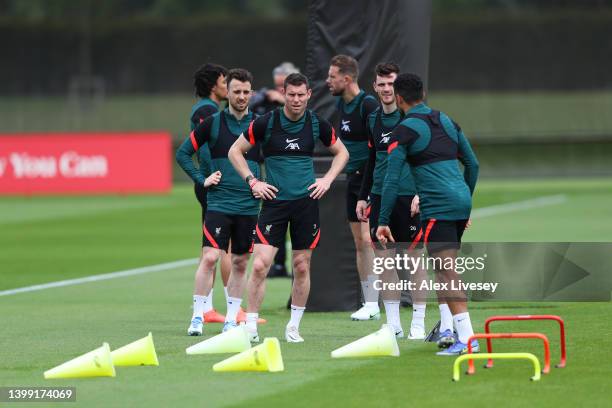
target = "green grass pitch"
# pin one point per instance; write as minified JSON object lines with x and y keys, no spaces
{"x":46,"y":239}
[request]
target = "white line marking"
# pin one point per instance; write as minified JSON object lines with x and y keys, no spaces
{"x":104,"y":276}
{"x":477,"y":213}
{"x":519,"y":206}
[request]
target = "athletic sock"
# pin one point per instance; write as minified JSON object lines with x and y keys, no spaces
{"x":225,"y":291}
{"x":446,"y":318}
{"x":296,"y":316}
{"x":209,"y":304}
{"x":371,"y":305}
{"x":199,"y":305}
{"x":464,"y":326}
{"x":372,"y":294}
{"x":251,"y":321}
{"x":418,"y":316}
{"x":392,"y":311}
{"x":233,"y":305}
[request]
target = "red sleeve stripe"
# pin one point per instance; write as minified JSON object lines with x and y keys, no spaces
{"x":251,"y":135}
{"x":210,"y":238}
{"x":194,"y":142}
{"x":333,"y":137}
{"x":261,"y":236}
{"x":316,"y":240}
{"x":428,"y":229}
{"x":392,"y":146}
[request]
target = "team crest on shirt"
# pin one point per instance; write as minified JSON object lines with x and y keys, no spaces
{"x":292,"y":144}
{"x":345,"y":126}
{"x":217,"y":231}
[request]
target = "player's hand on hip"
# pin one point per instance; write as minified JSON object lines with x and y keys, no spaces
{"x":263,"y":190}
{"x":213,"y":179}
{"x":383,"y":234}
{"x":319,"y":188}
{"x":414,"y":206}
{"x":361,"y":209}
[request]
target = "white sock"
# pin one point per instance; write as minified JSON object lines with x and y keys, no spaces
{"x":225,"y":291}
{"x":296,"y":316}
{"x":372,"y":294}
{"x":209,"y":304}
{"x":372,"y":305}
{"x":251,"y":322}
{"x":446,"y":318}
{"x":464,"y":326}
{"x":392,"y":311}
{"x":199,"y":305}
{"x":418,"y":316}
{"x":233,"y":305}
{"x":364,"y":289}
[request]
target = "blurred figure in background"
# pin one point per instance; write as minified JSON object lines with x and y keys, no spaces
{"x":262,"y":102}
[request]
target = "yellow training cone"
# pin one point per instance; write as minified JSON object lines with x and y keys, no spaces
{"x":138,"y":353}
{"x":232,"y":341}
{"x":96,"y":363}
{"x":265,"y":357}
{"x":380,"y":343}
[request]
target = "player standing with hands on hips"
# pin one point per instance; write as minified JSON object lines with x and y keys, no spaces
{"x":290,"y":194}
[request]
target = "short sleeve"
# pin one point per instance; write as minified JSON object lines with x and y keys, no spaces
{"x":401,"y":135}
{"x":257,"y":129}
{"x":327,"y":134}
{"x":202,"y":113}
{"x":201,"y":134}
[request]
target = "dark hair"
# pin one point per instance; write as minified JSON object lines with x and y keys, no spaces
{"x":296,"y":79}
{"x":386,"y":68}
{"x":409,"y":86}
{"x":346,"y":65}
{"x":239,"y":74}
{"x":205,"y":78}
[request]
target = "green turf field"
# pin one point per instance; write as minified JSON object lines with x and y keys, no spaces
{"x":53,"y":238}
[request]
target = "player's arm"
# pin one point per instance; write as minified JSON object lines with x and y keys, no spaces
{"x":368,"y":177}
{"x":236,"y":154}
{"x":197,"y":138}
{"x":469,"y":161}
{"x":327,"y":134}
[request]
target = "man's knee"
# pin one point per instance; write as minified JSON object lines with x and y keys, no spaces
{"x":261,"y":266}
{"x":239,"y":264}
{"x":301,"y":266}
{"x":209,"y":257}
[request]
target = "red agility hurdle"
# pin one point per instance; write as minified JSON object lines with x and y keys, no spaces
{"x":529,"y":317}
{"x":490,"y":336}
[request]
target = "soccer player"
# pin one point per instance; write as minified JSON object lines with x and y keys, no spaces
{"x":405,"y":223}
{"x":290,"y":194}
{"x":354,"y":107}
{"x":430,"y":142}
{"x":232,"y":210}
{"x":211,"y":89}
{"x":262,"y":102}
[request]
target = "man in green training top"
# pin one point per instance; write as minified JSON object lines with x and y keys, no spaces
{"x":354,"y":106}
{"x":431,"y":143}
{"x":290,"y":195}
{"x":232,"y":209}
{"x":211,"y":89}
{"x":405,"y":222}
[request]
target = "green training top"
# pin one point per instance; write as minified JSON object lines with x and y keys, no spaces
{"x":432,"y":144}
{"x":288,"y":147}
{"x":217,"y":134}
